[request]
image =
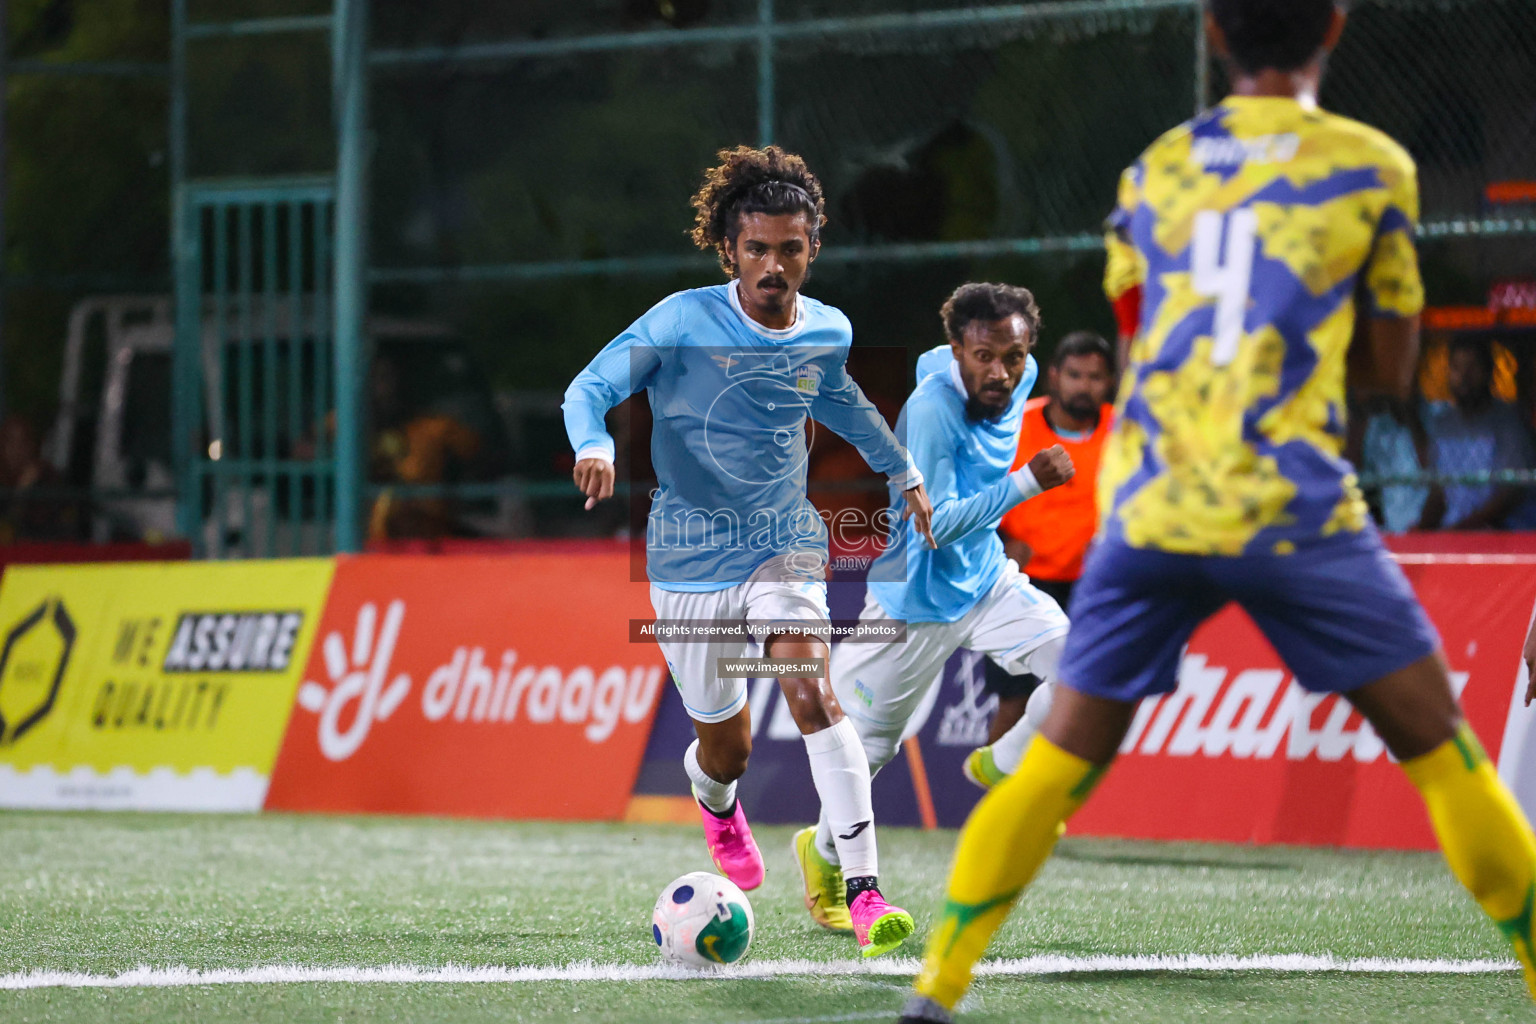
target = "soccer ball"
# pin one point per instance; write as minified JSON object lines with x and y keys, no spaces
{"x":702,"y":920}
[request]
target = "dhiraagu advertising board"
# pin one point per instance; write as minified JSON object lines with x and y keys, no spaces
{"x":154,"y":686}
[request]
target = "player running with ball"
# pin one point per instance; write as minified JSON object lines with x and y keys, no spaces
{"x":962,"y":424}
{"x":1255,"y":230}
{"x":732,"y":373}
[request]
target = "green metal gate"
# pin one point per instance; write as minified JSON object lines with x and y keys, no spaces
{"x":255,"y":396}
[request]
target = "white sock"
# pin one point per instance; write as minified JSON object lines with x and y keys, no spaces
{"x":1009,"y":749}
{"x":841,"y":775}
{"x":717,"y":796}
{"x":879,"y":747}
{"x":825,"y":845}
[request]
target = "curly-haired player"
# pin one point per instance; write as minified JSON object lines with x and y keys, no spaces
{"x":732,"y":373}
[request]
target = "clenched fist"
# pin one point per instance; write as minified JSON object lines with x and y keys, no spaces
{"x":594,"y":478}
{"x":1052,"y":467}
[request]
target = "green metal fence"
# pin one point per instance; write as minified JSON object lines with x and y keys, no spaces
{"x":1118,"y":73}
{"x":253,"y":367}
{"x":519,"y":174}
{"x":1013,"y":120}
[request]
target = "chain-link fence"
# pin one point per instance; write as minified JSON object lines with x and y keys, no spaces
{"x":531,"y":165}
{"x":955,"y":141}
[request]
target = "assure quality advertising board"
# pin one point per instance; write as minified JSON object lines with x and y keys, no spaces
{"x":489,"y":686}
{"x":151,"y":686}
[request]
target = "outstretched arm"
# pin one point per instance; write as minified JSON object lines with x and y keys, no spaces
{"x":625,"y":365}
{"x":843,"y":407}
{"x":957,"y":515}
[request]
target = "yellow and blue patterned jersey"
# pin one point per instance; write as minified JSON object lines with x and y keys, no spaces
{"x":1254,"y":230}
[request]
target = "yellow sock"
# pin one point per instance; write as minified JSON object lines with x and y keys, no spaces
{"x":1484,"y":834}
{"x":1003,"y":844}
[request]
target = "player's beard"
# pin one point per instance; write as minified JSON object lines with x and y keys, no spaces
{"x":977,"y":408}
{"x":1081,"y":407}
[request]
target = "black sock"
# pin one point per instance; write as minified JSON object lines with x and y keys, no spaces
{"x":724,"y":815}
{"x":864,"y":883}
{"x":921,"y":1008}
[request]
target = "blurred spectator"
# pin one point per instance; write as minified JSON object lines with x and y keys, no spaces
{"x":1475,"y":433}
{"x":412,"y":447}
{"x":1049,"y":534}
{"x":25,"y":515}
{"x":1433,"y":376}
{"x":1391,"y":441}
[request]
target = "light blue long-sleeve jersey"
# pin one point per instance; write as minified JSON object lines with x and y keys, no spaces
{"x":965,"y":465}
{"x":939,"y":358}
{"x":730,"y":399}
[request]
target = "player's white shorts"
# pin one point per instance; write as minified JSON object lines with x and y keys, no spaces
{"x":881,"y":685}
{"x":775,"y":593}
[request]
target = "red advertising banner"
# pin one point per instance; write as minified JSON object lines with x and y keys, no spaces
{"x":1240,"y":753}
{"x":486,"y":686}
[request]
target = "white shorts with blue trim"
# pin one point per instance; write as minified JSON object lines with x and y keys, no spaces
{"x":775,"y":593}
{"x":881,"y":686}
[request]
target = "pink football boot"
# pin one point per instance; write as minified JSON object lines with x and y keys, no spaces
{"x":732,"y":847}
{"x":878,"y":926}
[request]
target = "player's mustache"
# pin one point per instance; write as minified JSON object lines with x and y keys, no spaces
{"x":773,"y":282}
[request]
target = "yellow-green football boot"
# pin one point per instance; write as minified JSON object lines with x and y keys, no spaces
{"x":825,"y":896}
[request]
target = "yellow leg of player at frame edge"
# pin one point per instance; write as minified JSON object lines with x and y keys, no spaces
{"x":1006,"y":839}
{"x":1485,"y":836}
{"x":1486,"y":839}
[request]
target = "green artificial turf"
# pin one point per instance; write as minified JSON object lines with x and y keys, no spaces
{"x":105,"y":893}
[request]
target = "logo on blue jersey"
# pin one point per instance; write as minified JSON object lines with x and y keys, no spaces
{"x":756,"y":428}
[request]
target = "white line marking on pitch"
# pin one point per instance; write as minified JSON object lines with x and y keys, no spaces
{"x":280,"y":974}
{"x":835,"y":1019}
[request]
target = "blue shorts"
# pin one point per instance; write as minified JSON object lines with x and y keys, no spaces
{"x":1338,"y":610}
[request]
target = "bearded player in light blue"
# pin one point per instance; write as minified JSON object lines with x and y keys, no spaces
{"x":962,"y":426}
{"x":732,"y":373}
